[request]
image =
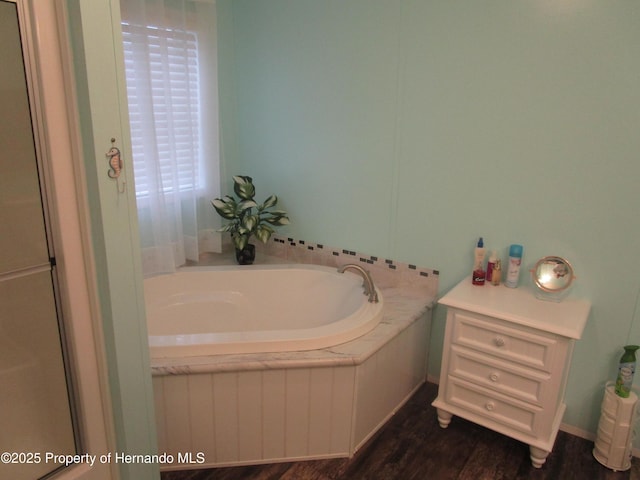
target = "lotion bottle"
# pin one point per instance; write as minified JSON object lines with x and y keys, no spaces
{"x":491,"y":264}
{"x":479,"y":275}
{"x":496,"y":273}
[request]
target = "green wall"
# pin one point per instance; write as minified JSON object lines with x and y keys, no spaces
{"x":95,"y":38}
{"x":407,"y":129}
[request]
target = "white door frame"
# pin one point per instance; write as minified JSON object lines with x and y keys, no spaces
{"x":42,"y":25}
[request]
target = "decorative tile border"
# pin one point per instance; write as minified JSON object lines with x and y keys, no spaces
{"x":386,"y":272}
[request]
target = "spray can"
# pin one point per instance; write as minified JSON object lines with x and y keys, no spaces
{"x":513,"y":267}
{"x":626,"y":369}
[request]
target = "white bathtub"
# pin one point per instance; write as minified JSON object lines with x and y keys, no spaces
{"x":258,"y":308}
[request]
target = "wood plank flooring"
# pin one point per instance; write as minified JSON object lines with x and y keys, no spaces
{"x":413,"y":446}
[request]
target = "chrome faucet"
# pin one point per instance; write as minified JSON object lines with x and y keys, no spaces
{"x":369,"y":287}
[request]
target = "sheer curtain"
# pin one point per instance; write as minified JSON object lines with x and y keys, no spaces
{"x":170,"y":64}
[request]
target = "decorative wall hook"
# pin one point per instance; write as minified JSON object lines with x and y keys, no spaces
{"x":115,"y":162}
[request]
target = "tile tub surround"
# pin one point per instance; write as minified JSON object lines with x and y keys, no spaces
{"x":408,"y":293}
{"x":279,"y":249}
{"x":268,"y":404}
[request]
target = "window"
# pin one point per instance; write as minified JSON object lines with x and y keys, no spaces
{"x":170,"y":54}
{"x":163,"y":89}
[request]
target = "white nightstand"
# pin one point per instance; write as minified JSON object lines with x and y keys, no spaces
{"x":505,"y":361}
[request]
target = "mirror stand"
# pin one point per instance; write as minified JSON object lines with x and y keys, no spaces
{"x":551,"y":296}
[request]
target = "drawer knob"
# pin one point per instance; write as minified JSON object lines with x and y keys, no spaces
{"x":494,"y":377}
{"x":490,"y":406}
{"x":499,"y":342}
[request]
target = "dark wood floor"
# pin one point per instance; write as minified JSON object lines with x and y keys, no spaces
{"x":412,"y":446}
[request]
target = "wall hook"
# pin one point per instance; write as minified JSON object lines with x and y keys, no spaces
{"x":115,"y":162}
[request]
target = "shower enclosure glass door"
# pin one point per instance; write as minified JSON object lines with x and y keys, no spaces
{"x":35,"y":410}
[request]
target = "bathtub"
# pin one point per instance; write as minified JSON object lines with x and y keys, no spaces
{"x":253,"y":309}
{"x":302,"y":401}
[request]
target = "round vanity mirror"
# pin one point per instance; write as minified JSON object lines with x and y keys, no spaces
{"x":553,"y":274}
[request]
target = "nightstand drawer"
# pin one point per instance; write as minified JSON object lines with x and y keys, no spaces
{"x":499,"y":409}
{"x":525,"y":346}
{"x":504,"y":377}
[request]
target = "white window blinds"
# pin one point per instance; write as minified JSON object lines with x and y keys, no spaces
{"x":163,"y":77}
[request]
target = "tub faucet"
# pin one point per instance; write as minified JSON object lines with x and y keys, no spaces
{"x":369,"y":287}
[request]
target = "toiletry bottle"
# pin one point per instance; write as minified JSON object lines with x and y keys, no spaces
{"x":626,"y":369}
{"x":496,"y":273}
{"x":491,"y":263}
{"x":479,"y":275}
{"x":513,"y":267}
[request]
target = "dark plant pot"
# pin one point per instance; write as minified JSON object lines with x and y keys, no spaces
{"x":247,"y":255}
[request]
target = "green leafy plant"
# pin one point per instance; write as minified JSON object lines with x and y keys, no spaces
{"x":247,"y":217}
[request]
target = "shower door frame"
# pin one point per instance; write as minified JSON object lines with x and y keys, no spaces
{"x":42,"y":28}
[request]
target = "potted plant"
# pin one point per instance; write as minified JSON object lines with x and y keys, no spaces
{"x":248,"y":218}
